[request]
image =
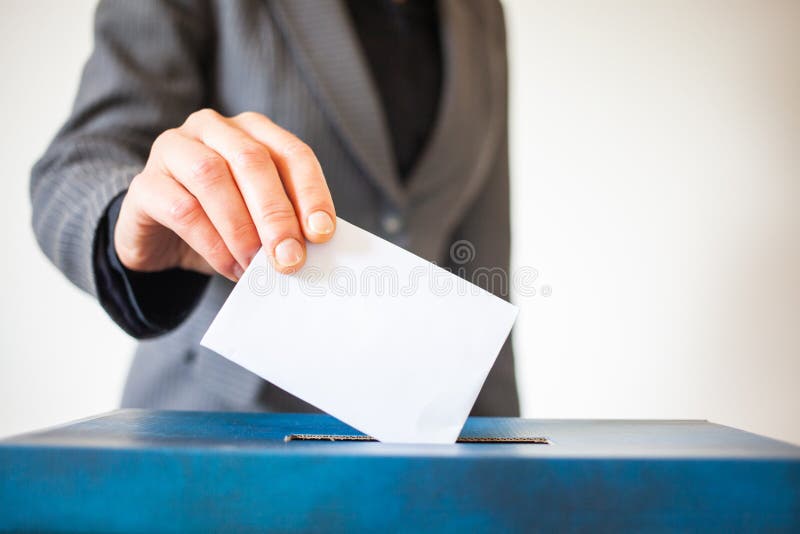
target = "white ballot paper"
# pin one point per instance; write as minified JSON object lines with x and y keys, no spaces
{"x":385,"y":341}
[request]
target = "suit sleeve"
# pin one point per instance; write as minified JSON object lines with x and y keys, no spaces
{"x":146,"y":74}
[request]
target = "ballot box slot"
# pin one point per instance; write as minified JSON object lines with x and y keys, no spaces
{"x":463,"y":439}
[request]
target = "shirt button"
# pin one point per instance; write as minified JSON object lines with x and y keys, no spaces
{"x":392,"y":224}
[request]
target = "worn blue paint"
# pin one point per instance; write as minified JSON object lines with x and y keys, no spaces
{"x":140,"y":471}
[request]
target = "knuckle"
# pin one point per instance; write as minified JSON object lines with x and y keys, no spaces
{"x":202,"y":116}
{"x":164,"y":138}
{"x":136,"y":184}
{"x":312,"y":193}
{"x":216,"y":251}
{"x":206,"y":113}
{"x":250,"y":117}
{"x":135,"y":207}
{"x":295,"y":148}
{"x":277,"y":213}
{"x":209,"y":171}
{"x":211,"y":247}
{"x":252,"y":157}
{"x":168,"y":134}
{"x":245,"y":233}
{"x":184,"y":211}
{"x":142,"y":187}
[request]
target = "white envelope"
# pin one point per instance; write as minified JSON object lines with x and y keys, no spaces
{"x":379,"y":338}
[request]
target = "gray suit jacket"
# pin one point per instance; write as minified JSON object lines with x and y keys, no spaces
{"x":300,"y":63}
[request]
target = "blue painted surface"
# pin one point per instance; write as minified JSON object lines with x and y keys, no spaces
{"x":139,"y":471}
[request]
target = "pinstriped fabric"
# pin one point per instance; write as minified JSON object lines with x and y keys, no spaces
{"x":298,"y":62}
{"x":73,"y":250}
{"x":324,"y":46}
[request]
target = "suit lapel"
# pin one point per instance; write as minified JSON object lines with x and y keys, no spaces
{"x":470,"y":119}
{"x":326,"y":48}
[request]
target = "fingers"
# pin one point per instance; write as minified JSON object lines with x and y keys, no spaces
{"x":205,"y":174}
{"x":164,"y":200}
{"x":260,"y":185}
{"x":228,"y":186}
{"x":300,"y":173}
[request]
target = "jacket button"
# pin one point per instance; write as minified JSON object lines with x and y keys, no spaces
{"x":392,"y":224}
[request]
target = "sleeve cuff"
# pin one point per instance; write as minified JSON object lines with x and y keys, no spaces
{"x":144,"y":304}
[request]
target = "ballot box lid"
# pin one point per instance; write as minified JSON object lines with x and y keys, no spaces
{"x":300,"y":434}
{"x":151,"y":471}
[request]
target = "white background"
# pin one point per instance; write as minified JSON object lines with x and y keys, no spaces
{"x":656,"y":177}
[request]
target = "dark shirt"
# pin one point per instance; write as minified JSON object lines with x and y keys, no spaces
{"x":400,"y":39}
{"x":401,"y":43}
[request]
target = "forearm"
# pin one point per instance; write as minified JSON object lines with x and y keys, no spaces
{"x":145,"y":75}
{"x":68,"y":199}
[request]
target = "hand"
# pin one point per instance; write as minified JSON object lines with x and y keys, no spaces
{"x":215,"y":189}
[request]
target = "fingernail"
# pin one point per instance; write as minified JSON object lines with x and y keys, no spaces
{"x":238,"y":271}
{"x":288,"y":252}
{"x":320,"y":222}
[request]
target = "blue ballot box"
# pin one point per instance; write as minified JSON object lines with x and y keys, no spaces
{"x":145,"y":471}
